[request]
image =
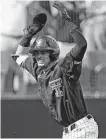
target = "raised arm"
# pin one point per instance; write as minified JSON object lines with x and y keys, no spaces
{"x":78,"y":51}
{"x":23,"y":48}
{"x":81,"y":45}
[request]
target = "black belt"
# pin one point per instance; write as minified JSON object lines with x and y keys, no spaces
{"x":73,"y":126}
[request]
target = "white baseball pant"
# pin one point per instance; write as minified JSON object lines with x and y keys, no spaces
{"x":85,"y":128}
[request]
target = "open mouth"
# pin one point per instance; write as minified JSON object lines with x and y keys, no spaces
{"x":40,"y":62}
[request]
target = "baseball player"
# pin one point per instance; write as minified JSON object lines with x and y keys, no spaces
{"x":59,"y":85}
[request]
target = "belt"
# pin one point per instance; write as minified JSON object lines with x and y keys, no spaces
{"x":74,"y":125}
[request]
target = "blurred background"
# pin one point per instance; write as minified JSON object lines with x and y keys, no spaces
{"x":22,"y":112}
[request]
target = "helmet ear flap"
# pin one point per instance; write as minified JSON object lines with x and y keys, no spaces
{"x":54,"y":55}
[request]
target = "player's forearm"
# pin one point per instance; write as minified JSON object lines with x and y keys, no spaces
{"x":77,"y":35}
{"x":79,"y":39}
{"x":23,"y":47}
{"x":81,"y":44}
{"x":22,"y":50}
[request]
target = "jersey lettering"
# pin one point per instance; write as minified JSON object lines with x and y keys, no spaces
{"x":56,"y":85}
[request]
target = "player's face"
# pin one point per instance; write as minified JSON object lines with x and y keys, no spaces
{"x":42,"y":58}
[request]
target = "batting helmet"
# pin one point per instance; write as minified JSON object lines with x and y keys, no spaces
{"x":46,"y":43}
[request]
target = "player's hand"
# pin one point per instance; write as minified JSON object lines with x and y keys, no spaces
{"x":37,"y":24}
{"x":62,"y":10}
{"x":60,"y":7}
{"x":31,"y":29}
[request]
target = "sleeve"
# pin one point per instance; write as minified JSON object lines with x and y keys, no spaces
{"x":81,"y":44}
{"x":72,"y":62}
{"x":25,"y":61}
{"x":70,"y":67}
{"x":79,"y":49}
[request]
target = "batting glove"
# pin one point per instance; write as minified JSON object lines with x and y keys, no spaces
{"x":63,"y":12}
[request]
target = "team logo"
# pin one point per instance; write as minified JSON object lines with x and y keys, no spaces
{"x":57,"y":86}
